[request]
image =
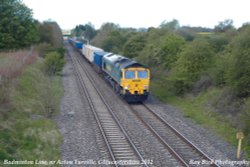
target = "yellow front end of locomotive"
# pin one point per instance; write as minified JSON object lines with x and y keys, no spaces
{"x":135,"y":81}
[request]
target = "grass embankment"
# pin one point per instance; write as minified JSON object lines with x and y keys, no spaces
{"x":28,"y":101}
{"x":199,"y":109}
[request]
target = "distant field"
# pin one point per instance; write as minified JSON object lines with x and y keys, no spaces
{"x":205,"y":33}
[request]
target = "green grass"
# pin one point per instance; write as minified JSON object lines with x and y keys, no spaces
{"x":198,"y":108}
{"x":27,"y":131}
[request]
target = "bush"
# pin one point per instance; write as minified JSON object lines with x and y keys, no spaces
{"x":43,"y":49}
{"x":218,"y":42}
{"x":51,"y":33}
{"x":219,"y":72}
{"x":170,"y":47}
{"x":61,"y":51}
{"x":239,"y":72}
{"x":202,"y":84}
{"x":194,"y":61}
{"x":53,"y":63}
{"x":134,"y":46}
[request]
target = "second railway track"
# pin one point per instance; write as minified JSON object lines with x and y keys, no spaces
{"x":180,"y":147}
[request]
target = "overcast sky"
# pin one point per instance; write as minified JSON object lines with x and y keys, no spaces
{"x":140,"y":13}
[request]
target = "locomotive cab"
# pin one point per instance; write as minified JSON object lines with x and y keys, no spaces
{"x":135,"y":83}
{"x":128,"y":78}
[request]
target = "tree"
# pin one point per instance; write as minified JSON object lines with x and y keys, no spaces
{"x":172,"y":25}
{"x":194,"y":60}
{"x":17,"y":27}
{"x":51,"y":33}
{"x":103,"y":33}
{"x":224,"y":26}
{"x":187,"y":33}
{"x":113,"y":42}
{"x":152,"y":50}
{"x":218,"y":42}
{"x":170,"y":47}
{"x":239,"y":75}
{"x":134,"y":45}
{"x":78,"y":30}
{"x":87,"y":31}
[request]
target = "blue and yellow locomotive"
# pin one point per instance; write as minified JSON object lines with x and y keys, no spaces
{"x":128,"y":78}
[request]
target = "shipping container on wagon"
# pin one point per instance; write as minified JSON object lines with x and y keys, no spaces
{"x":88,"y":52}
{"x":78,"y":44}
{"x":98,"y":55}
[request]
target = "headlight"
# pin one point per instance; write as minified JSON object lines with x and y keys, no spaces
{"x":146,"y":87}
{"x":126,"y":87}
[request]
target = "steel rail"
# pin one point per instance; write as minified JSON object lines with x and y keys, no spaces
{"x":113,"y":114}
{"x":86,"y":93}
{"x":181,"y":136}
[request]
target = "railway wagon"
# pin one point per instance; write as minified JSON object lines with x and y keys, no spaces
{"x":77,"y":44}
{"x":98,"y":56}
{"x":88,"y":52}
{"x":128,"y":78}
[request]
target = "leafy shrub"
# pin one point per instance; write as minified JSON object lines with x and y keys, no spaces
{"x":113,"y":42}
{"x":43,"y":49}
{"x":194,"y":60}
{"x":218,"y":42}
{"x":103,"y":34}
{"x":150,"y":55}
{"x":134,"y":46}
{"x":61,"y":51}
{"x":202,"y":84}
{"x":219,"y":72}
{"x":170,"y":47}
{"x":51,"y":33}
{"x":239,"y":72}
{"x":53,"y":63}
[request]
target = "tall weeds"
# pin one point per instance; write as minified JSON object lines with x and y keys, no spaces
{"x":11,"y":66}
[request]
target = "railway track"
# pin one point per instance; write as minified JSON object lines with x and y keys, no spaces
{"x":121,"y":149}
{"x":179,"y":146}
{"x":117,"y":141}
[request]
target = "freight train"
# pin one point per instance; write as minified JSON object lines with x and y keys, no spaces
{"x":128,"y":78}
